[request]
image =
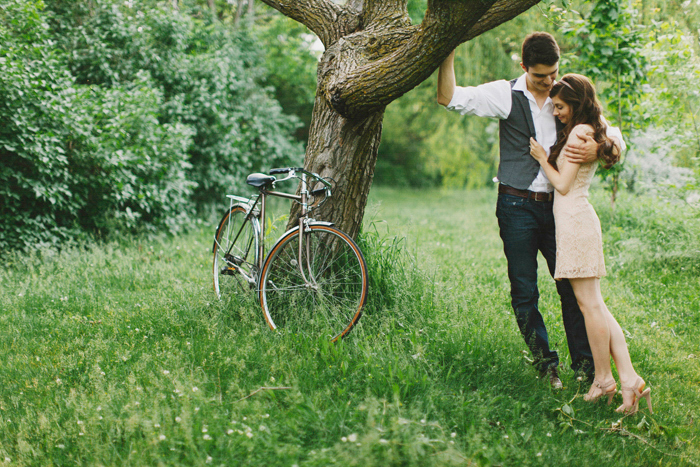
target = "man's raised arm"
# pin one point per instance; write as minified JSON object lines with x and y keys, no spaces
{"x":446,"y":80}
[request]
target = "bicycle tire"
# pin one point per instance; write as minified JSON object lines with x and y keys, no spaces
{"x":333,"y":304}
{"x":235,"y":255}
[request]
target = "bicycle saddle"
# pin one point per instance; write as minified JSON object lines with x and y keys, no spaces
{"x":258,"y":180}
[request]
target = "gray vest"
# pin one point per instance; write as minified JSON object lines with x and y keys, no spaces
{"x":517,"y":168}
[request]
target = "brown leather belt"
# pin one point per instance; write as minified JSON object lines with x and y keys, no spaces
{"x":533,"y":195}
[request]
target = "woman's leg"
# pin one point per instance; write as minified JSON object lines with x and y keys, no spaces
{"x":596,"y":314}
{"x":601,"y":323}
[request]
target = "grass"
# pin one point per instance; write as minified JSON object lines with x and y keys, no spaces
{"x":120,"y":354}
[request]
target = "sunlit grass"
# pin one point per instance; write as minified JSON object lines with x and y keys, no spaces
{"x":122,"y":355}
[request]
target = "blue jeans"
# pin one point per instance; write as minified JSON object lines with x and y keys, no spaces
{"x":526,"y":227}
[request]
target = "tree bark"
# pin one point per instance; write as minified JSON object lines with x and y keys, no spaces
{"x":212,"y":8}
{"x":373,"y":56}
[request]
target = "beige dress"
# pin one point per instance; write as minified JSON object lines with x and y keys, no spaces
{"x":578,"y":234}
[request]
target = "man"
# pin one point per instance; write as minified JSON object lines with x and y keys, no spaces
{"x":524,"y":208}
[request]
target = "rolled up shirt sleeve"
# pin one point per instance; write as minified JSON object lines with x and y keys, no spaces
{"x":486,"y":100}
{"x":614,"y":132}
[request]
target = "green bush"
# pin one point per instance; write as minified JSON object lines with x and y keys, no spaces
{"x":124,"y":117}
{"x":208,"y":75}
{"x":80,"y":159}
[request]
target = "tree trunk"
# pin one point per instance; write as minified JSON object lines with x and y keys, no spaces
{"x":345,"y":151}
{"x":250,"y":16}
{"x":373,"y":56}
{"x":212,"y":8}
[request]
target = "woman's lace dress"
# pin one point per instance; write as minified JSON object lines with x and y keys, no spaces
{"x":579,"y":238}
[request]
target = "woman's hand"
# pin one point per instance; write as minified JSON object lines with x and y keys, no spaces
{"x":537,"y":151}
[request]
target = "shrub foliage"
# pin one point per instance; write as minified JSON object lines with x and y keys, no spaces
{"x":125,"y":117}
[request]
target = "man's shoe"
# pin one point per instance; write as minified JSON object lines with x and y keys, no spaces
{"x":553,"y":375}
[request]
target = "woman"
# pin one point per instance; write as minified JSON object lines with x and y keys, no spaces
{"x":579,"y":239}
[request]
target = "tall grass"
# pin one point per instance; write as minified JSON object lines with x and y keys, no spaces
{"x":120,"y":354}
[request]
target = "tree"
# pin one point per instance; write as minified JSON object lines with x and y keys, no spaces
{"x":373,"y":55}
{"x":609,"y":49}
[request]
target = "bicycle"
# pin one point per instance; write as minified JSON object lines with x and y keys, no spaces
{"x":314,"y":274}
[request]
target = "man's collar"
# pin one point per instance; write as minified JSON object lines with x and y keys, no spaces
{"x":521,"y":85}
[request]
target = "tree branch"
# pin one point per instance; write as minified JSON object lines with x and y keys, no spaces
{"x":323,"y":17}
{"x":397,"y":59}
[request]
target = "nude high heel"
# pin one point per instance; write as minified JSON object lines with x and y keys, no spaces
{"x":638,"y":392}
{"x":607,"y":390}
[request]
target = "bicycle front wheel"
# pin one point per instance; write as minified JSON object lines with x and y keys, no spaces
{"x":235,"y":253}
{"x":322,"y":290}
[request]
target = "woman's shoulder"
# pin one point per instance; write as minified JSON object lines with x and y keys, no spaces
{"x":580,"y":130}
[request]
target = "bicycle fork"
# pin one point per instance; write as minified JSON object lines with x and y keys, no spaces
{"x":305,"y":243}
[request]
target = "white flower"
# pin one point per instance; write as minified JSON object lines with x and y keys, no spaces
{"x":195,"y":389}
{"x":161,"y":437}
{"x":352,"y":438}
{"x":453,"y":435}
{"x":207,"y":437}
{"x":229,"y":432}
{"x":249,"y":434}
{"x":166,"y":372}
{"x":178,"y":419}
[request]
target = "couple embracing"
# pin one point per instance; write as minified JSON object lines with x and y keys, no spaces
{"x":552,"y":136}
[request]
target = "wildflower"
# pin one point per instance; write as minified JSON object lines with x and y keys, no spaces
{"x":157,"y":425}
{"x":229,"y":432}
{"x":166,"y":372}
{"x":207,"y":437}
{"x":209,"y":459}
{"x":161,"y":437}
{"x":178,"y":419}
{"x":249,"y":434}
{"x":352,"y":438}
{"x":453,"y":435}
{"x":539,"y":454}
{"x":344,"y":439}
{"x":204,"y":429}
{"x":383,"y":441}
{"x":195,"y":389}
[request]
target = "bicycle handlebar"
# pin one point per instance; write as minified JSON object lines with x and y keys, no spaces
{"x":284,"y":170}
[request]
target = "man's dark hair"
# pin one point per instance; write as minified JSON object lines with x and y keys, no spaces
{"x":540,"y":48}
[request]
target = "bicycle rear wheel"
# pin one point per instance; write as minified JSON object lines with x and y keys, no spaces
{"x":235,"y":253}
{"x":328,"y":296}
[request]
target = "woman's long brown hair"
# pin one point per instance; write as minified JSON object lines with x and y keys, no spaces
{"x":578,"y":92}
